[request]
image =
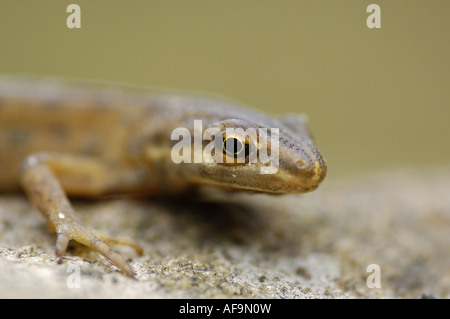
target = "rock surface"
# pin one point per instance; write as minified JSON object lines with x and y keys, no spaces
{"x":315,"y":245}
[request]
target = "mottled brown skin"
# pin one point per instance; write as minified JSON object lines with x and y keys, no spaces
{"x":60,"y":139}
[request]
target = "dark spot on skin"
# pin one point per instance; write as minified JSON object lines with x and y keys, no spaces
{"x":60,"y":131}
{"x":159,"y":137}
{"x":90,"y":147}
{"x":284,"y":142}
{"x":18,"y":137}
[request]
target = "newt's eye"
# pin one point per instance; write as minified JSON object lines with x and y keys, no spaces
{"x":235,"y":147}
{"x":232,"y":146}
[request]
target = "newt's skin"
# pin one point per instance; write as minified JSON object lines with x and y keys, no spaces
{"x":61,"y":139}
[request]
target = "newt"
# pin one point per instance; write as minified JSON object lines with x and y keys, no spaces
{"x":62,"y":139}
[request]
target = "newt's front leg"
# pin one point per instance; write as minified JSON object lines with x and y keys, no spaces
{"x":45,"y":178}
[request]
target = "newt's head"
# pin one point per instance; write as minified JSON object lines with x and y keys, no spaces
{"x":259,"y":154}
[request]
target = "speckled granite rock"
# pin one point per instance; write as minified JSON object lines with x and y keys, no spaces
{"x":316,"y":245}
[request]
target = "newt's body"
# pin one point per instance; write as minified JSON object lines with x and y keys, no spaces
{"x":59,"y":139}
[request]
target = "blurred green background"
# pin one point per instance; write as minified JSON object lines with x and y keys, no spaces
{"x":376,"y":98}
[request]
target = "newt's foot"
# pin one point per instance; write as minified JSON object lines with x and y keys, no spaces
{"x":96,"y":240}
{"x":41,"y":176}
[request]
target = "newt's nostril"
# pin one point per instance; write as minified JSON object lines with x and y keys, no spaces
{"x":301,"y":164}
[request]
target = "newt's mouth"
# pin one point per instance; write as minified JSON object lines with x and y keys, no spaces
{"x":300,"y":178}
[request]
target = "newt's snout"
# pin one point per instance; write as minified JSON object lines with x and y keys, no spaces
{"x":314,"y":173}
{"x":304,"y":168}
